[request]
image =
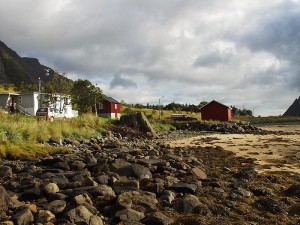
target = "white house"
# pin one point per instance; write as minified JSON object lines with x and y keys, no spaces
{"x":29,"y":102}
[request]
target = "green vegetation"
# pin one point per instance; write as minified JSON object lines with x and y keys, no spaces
{"x":8,"y":88}
{"x":85,"y":95}
{"x":268,"y":120}
{"x":23,"y":136}
{"x":20,"y":135}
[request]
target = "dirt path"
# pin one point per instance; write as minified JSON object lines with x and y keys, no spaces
{"x":276,"y":152}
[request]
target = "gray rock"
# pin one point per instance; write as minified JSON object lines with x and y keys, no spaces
{"x":80,"y":214}
{"x":187,"y":204}
{"x":141,"y":172}
{"x":88,"y":181}
{"x":57,"y":206}
{"x":145,"y":200}
{"x":122,"y":168}
{"x":4,"y":201}
{"x":84,"y":198}
{"x":88,"y":159}
{"x":103,"y":179}
{"x":51,"y":188}
{"x":55,"y":140}
{"x":293,"y":190}
{"x":62,"y":165}
{"x":184,"y":188}
{"x":44,"y":216}
{"x":270,"y":205}
{"x":77,"y":165}
{"x":129,"y":215}
{"x":6,"y":172}
{"x":23,"y":217}
{"x":157,"y":218}
{"x":167,"y":197}
{"x":31,"y":194}
{"x":95,"y":220}
{"x":244,"y":192}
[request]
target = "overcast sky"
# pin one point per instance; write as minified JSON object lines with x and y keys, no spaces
{"x":242,"y":53}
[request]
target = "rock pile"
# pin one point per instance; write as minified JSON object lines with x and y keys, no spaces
{"x":138,"y":121}
{"x":113,"y":180}
{"x":229,"y":128}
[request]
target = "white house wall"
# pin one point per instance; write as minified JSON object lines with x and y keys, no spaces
{"x":3,"y":100}
{"x":110,"y":115}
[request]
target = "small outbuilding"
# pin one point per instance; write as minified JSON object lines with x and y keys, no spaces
{"x":109,"y":108}
{"x":216,"y":111}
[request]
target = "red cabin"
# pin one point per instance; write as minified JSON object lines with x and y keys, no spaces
{"x":109,"y":108}
{"x":216,"y":111}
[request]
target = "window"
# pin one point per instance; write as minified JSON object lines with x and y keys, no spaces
{"x":116,"y":106}
{"x":100,"y":106}
{"x":20,"y":99}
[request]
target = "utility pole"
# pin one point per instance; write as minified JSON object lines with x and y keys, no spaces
{"x":96,"y":113}
{"x":39,"y":103}
{"x":159,"y":107}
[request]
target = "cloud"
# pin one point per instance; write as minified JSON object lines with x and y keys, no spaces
{"x":187,"y":51}
{"x":122,"y":81}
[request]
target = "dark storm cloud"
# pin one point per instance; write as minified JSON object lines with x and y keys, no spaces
{"x":120,"y":80}
{"x":197,"y":48}
{"x":279,"y":34}
{"x":211,"y":60}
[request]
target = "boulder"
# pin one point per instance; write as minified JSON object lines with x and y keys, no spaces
{"x":57,"y":206}
{"x":6,"y":172}
{"x":129,"y":215}
{"x":4,"y":201}
{"x":157,"y":218}
{"x":187,"y":204}
{"x":145,"y":200}
{"x":139,"y":122}
{"x":23,"y":217}
{"x":81,"y":214}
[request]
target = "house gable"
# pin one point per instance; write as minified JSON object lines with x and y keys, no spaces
{"x":216,"y":111}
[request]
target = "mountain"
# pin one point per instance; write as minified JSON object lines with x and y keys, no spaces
{"x":14,"y":69}
{"x":294,"y":109}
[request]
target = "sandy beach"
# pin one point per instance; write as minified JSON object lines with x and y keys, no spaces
{"x":274,"y":152}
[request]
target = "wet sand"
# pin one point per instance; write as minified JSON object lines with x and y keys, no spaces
{"x":274,"y":152}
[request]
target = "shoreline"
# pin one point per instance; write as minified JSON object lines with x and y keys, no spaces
{"x":272,"y":152}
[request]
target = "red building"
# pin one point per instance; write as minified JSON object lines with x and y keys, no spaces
{"x":109,"y":108}
{"x":216,"y":111}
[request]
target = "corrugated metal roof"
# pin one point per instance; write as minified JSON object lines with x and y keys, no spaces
{"x":216,"y":102}
{"x":110,"y":99}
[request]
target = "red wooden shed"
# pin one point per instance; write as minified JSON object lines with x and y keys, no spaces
{"x":216,"y":111}
{"x":109,"y":108}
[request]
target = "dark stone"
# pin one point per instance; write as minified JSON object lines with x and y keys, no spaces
{"x":6,"y":172}
{"x":122,"y":168}
{"x":23,"y":217}
{"x":184,"y":188}
{"x":138,"y":121}
{"x":141,"y":172}
{"x":293,"y":190}
{"x":4,"y":201}
{"x":187,"y":204}
{"x":31,"y":194}
{"x":270,"y":205}
{"x":157,"y":218}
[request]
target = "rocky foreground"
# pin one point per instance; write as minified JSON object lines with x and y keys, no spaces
{"x":116,"y":180}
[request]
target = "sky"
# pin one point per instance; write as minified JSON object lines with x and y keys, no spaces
{"x":241,"y":53}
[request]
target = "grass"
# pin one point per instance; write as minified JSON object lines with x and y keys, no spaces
{"x":20,"y":135}
{"x":268,"y":120}
{"x":7,"y":88}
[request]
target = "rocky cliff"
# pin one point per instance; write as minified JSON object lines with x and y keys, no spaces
{"x":294,"y":109}
{"x":15,"y":69}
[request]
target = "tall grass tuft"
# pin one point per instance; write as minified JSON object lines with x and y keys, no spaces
{"x":19,"y":134}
